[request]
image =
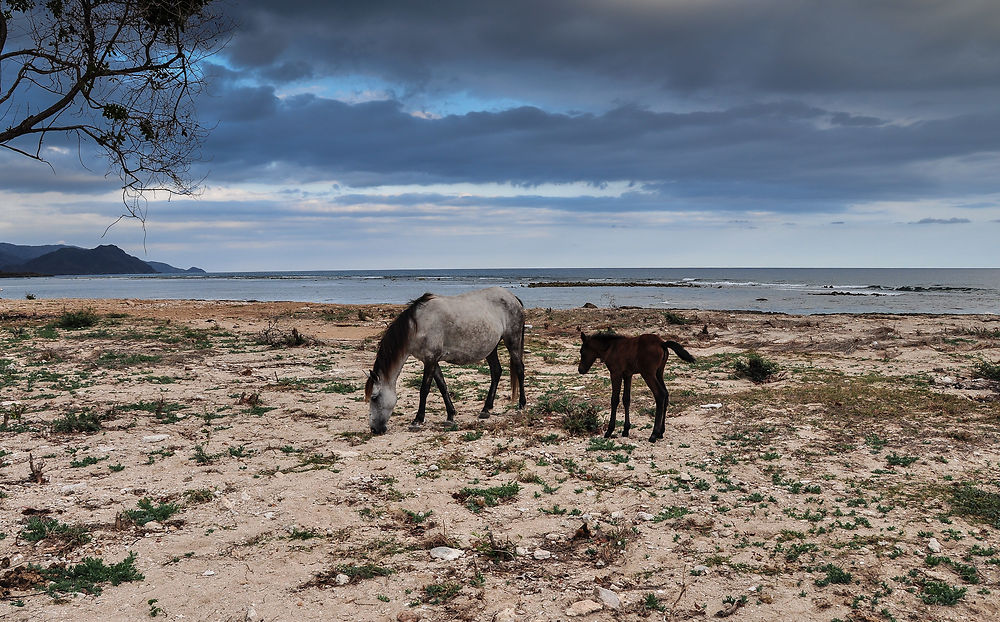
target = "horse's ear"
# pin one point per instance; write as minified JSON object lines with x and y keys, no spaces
{"x":583,"y":335}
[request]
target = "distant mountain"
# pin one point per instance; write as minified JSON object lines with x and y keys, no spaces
{"x":165,"y":268}
{"x":105,"y":259}
{"x":63,"y":259}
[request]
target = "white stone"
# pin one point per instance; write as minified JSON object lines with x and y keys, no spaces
{"x":711,"y":406}
{"x":541,"y":554}
{"x":208,"y":573}
{"x":153,"y":526}
{"x":582,"y":608}
{"x":343,"y":579}
{"x":433,"y":467}
{"x":155,"y":438}
{"x":609,"y":598}
{"x":644,"y":516}
{"x":685,"y":477}
{"x":933,"y":545}
{"x":700,"y":569}
{"x":521,"y":550}
{"x":446,"y":553}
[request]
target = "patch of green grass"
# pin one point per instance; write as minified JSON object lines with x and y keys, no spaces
{"x":652,"y":603}
{"x":366,"y":571}
{"x":896,"y":460}
{"x":675,"y":318}
{"x":473,"y":435}
{"x":147,"y":512}
{"x":164,"y":411}
{"x":86,"y":461}
{"x":74,"y":320}
{"x":477,"y":498}
{"x":341,"y":388}
{"x":940,"y":593}
{"x":970,"y":501}
{"x":439,"y":593}
{"x":988,"y":370}
{"x":755,"y":368}
{"x":670,"y":513}
{"x":73,"y":422}
{"x":303,"y":534}
{"x":600,"y":443}
{"x":125,"y":359}
{"x":41,"y":528}
{"x":835,"y":575}
{"x":88,"y":575}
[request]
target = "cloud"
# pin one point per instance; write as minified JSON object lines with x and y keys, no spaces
{"x":941,"y":221}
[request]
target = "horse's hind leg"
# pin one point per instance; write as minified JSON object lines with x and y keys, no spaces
{"x":494,"y":362}
{"x":439,"y":380}
{"x":616,"y":387}
{"x":626,"y":401}
{"x":515,"y":345}
{"x":425,"y":387}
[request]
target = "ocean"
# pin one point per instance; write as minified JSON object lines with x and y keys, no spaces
{"x":780,"y":290}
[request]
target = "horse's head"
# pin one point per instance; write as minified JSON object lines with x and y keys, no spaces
{"x":587,"y":354}
{"x":381,"y":398}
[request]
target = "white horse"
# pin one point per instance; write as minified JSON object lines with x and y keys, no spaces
{"x":459,"y":329}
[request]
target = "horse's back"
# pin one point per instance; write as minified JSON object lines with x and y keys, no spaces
{"x":466,"y":327}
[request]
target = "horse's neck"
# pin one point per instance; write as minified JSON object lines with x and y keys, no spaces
{"x":395,"y":368}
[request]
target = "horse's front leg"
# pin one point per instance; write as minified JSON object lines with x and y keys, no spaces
{"x":616,"y":387}
{"x":626,"y":401}
{"x":425,"y":387}
{"x":439,"y":380}
{"x":494,"y":362}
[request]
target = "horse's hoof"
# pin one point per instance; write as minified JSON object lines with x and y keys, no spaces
{"x":652,"y":439}
{"x":484,"y":415}
{"x":625,"y":433}
{"x":416,"y":426}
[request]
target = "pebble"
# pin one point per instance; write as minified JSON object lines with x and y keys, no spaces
{"x":933,"y":545}
{"x":609,"y":598}
{"x":155,"y":438}
{"x":342,"y":579}
{"x":208,"y":573}
{"x":644,"y":516}
{"x":583,"y":607}
{"x":407,"y":616}
{"x":446,"y":553}
{"x":685,"y":477}
{"x":541,"y":554}
{"x":699,"y":570}
{"x":153,"y":526}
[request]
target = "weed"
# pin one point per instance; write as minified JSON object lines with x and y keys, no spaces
{"x":439,"y":593}
{"x":73,"y":422}
{"x":940,"y":593}
{"x":652,"y":603}
{"x":87,"y":461}
{"x":148,"y":512}
{"x":85,"y":576}
{"x":895,"y":460}
{"x":675,"y":318}
{"x":834,"y":574}
{"x":366,"y":571}
{"x":73,"y":320}
{"x":477,"y":498}
{"x":985,"y":369}
{"x":967,"y":500}
{"x":43,"y":528}
{"x":494,"y":550}
{"x":303,"y":534}
{"x":755,"y":368}
{"x":670,"y":513}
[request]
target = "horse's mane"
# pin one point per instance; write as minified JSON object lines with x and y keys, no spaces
{"x":603,"y":336}
{"x":394,"y":339}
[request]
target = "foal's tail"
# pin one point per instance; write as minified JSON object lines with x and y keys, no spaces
{"x":679,"y":350}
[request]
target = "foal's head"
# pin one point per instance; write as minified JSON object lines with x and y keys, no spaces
{"x":587,"y":353}
{"x":381,"y":398}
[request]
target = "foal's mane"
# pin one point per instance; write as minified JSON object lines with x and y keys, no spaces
{"x":393,"y":342}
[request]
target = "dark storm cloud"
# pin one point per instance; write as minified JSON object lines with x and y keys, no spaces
{"x":781,"y":151}
{"x":523,"y":48}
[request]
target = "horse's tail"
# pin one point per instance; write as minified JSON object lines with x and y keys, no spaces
{"x":679,"y":350}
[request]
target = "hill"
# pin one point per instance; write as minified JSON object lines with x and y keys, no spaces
{"x":53,"y":259}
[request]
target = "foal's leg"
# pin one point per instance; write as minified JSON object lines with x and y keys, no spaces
{"x":425,"y":387}
{"x":439,"y":380}
{"x":616,"y":387}
{"x":658,"y":423}
{"x":626,"y":400}
{"x":494,"y":362}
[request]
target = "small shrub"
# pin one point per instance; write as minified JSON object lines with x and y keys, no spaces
{"x":73,"y":422}
{"x":439,"y":593}
{"x":985,"y":369}
{"x":477,"y":498}
{"x":148,"y":512}
{"x":755,"y":368}
{"x":578,"y":417}
{"x":835,"y":575}
{"x":73,"y":320}
{"x":85,"y":576}
{"x":940,"y":593}
{"x":675,"y":318}
{"x":43,"y":528}
{"x":967,"y":500}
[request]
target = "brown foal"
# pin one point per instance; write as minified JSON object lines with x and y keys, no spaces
{"x":626,"y":356}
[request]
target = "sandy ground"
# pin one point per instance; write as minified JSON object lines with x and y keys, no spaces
{"x":859,"y":483}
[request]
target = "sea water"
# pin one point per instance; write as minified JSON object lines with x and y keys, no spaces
{"x":781,"y":290}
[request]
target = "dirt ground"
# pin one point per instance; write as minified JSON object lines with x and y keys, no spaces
{"x":200,"y":460}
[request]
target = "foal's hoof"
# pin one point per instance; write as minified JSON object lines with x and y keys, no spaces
{"x":484,"y":414}
{"x":653,"y":438}
{"x":625,"y":433}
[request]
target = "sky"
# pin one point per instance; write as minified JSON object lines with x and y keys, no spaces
{"x":625,"y":133}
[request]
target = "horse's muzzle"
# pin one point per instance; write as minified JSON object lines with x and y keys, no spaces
{"x":378,"y":429}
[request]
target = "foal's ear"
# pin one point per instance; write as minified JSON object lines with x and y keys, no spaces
{"x":583,"y":335}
